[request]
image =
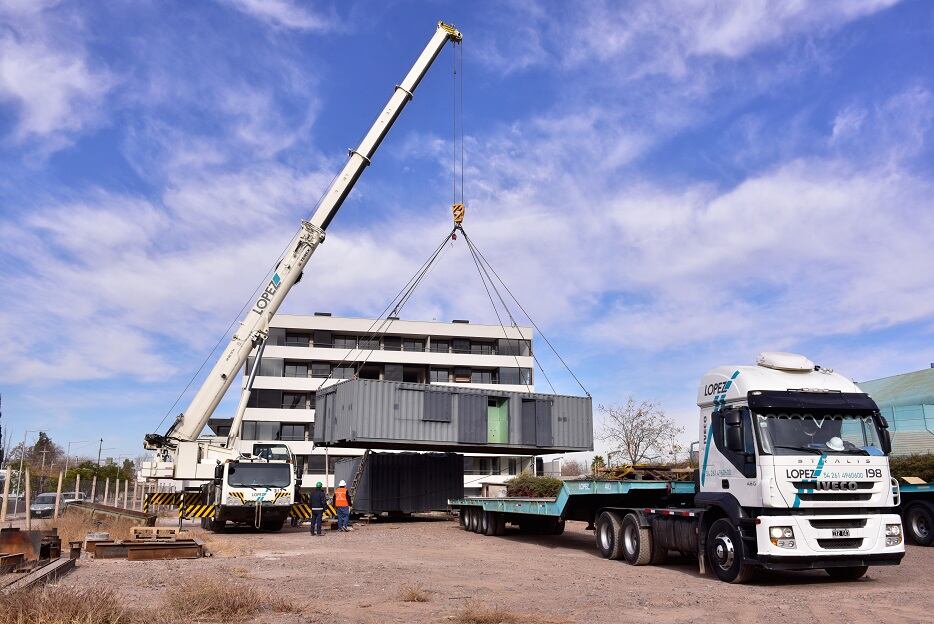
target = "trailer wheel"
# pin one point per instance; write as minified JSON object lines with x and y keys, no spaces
{"x":474,"y":520}
{"x":490,"y":518}
{"x":462,"y":514}
{"x":726,"y":552}
{"x":636,"y":542}
{"x":499,"y":524}
{"x":847,"y":574}
{"x":557,"y":528}
{"x":483,"y":524}
{"x":919,"y":524}
{"x":609,"y":535}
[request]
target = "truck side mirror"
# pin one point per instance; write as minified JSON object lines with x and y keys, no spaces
{"x":886,"y":441}
{"x":734,"y":438}
{"x":733,"y":418}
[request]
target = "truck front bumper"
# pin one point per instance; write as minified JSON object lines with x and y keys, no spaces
{"x":828,"y":541}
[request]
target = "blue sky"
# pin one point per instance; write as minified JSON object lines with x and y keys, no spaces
{"x":667,"y":186}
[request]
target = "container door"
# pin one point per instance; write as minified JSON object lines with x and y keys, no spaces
{"x":497,"y":418}
{"x":528,"y":422}
{"x":543,"y":435}
{"x":472,"y":418}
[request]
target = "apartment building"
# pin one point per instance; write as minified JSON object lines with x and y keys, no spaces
{"x":306,"y":352}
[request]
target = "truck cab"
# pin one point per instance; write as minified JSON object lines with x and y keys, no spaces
{"x":794,"y":471}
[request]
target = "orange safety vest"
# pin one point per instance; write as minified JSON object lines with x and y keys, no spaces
{"x":340,"y":497}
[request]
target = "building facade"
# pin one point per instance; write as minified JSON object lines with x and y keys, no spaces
{"x":305,"y":352}
{"x":907,"y":402}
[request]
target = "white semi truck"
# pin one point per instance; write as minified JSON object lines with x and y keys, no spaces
{"x":793,"y":475}
{"x":258,"y":487}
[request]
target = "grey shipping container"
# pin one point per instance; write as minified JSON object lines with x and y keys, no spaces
{"x":366,"y":413}
{"x":404,"y":482}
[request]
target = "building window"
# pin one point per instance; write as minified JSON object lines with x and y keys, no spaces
{"x":460,"y":345}
{"x":462,"y":375}
{"x":481,"y":377}
{"x":259,"y":430}
{"x":294,"y":400}
{"x":315,"y":464}
{"x":393,"y":372}
{"x":413,"y":344}
{"x":296,"y":340}
{"x":296,"y":369}
{"x":392,"y":343}
{"x":481,"y":348}
{"x":293,"y":431}
{"x":521,"y":348}
{"x":223,"y":430}
{"x":368,"y":344}
{"x":515,"y":376}
{"x":320,"y":369}
{"x":342,"y":372}
{"x":345,"y":342}
{"x":413,"y":374}
{"x":440,"y":346}
{"x":513,"y":466}
{"x":322,"y":339}
{"x":440,"y":375}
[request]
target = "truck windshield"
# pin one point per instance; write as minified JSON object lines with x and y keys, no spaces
{"x":795,"y":433}
{"x":259,"y":475}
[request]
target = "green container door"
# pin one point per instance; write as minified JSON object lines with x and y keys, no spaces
{"x":497,"y":419}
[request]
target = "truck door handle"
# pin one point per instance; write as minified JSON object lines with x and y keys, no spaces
{"x":725,"y":484}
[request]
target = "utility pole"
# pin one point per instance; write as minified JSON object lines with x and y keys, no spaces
{"x":99,"y":447}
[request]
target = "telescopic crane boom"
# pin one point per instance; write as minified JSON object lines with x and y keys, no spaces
{"x":255,"y":326}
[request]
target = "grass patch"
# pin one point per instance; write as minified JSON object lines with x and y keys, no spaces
{"x":209,"y":599}
{"x":528,"y":485}
{"x":74,"y":526}
{"x":223,"y":545}
{"x":65,"y":605}
{"x":480,"y":614}
{"x":414,"y":593}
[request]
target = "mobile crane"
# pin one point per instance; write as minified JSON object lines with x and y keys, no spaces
{"x":258,"y":488}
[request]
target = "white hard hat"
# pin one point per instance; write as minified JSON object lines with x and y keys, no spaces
{"x":342,"y":483}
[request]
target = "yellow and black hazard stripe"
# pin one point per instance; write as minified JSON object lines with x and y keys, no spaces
{"x":161,"y":498}
{"x":240,"y":496}
{"x":279,"y":495}
{"x":303,"y":511}
{"x":300,"y":510}
{"x":196,"y":511}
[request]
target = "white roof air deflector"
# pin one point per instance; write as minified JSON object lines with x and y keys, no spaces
{"x":784,"y":361}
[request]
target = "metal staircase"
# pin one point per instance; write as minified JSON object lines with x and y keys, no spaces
{"x":359,"y":474}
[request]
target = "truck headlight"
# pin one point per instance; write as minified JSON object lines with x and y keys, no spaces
{"x":233,"y":500}
{"x":782,"y":536}
{"x":893,"y":534}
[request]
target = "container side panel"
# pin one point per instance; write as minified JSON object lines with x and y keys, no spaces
{"x":528,"y":422}
{"x":471,"y":418}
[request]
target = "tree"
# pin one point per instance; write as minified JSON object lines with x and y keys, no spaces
{"x":597,"y":463}
{"x":572,"y":468}
{"x":640,"y":432}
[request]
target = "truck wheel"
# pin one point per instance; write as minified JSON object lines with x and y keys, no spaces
{"x":609,"y":535}
{"x":847,"y":574}
{"x":557,"y":528}
{"x":462,"y":514}
{"x":272,"y":525}
{"x":499,"y":524}
{"x":637,"y":541}
{"x":474,"y":520}
{"x":483,"y":524}
{"x":491,"y":520}
{"x":919,"y":524}
{"x":726,"y":552}
{"x":217,"y":526}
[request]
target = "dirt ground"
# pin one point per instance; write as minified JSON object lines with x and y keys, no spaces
{"x":360,"y":577}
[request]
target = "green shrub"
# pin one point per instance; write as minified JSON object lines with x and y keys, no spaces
{"x":919,"y":465}
{"x":528,"y":486}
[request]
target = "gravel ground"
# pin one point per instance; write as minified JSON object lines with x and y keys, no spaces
{"x":359,"y":577}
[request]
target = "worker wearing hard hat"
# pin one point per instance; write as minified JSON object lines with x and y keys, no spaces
{"x":318,"y":501}
{"x":342,"y":502}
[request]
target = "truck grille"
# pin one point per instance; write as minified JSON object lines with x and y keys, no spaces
{"x":812,"y":485}
{"x":834,"y":496}
{"x":839,"y":523}
{"x":840,"y":544}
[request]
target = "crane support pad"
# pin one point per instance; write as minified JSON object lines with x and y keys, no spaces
{"x":196,"y":511}
{"x":172,"y":499}
{"x":303,"y":511}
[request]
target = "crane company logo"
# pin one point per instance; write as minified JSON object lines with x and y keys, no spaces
{"x":267,"y":294}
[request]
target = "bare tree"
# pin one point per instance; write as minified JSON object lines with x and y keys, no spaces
{"x":640,"y":432}
{"x":572,"y":468}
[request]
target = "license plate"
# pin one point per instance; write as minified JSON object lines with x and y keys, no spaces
{"x":841,"y":532}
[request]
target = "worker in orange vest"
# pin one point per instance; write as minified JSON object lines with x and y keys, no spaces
{"x":342,"y":502}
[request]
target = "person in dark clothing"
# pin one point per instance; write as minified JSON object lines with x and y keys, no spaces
{"x":318,"y":501}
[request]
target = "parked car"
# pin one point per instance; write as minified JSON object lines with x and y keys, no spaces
{"x":43,"y":506}
{"x":72,"y":497}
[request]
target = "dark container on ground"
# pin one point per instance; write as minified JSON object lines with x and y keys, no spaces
{"x":396,"y":483}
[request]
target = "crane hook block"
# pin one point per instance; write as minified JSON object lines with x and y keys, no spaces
{"x":458,"y":211}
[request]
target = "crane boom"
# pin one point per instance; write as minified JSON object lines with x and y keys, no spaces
{"x":255,"y":326}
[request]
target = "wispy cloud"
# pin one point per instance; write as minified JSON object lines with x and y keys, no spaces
{"x":284,"y":14}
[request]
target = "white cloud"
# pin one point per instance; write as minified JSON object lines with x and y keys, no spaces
{"x":46,"y":76}
{"x":283,"y":13}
